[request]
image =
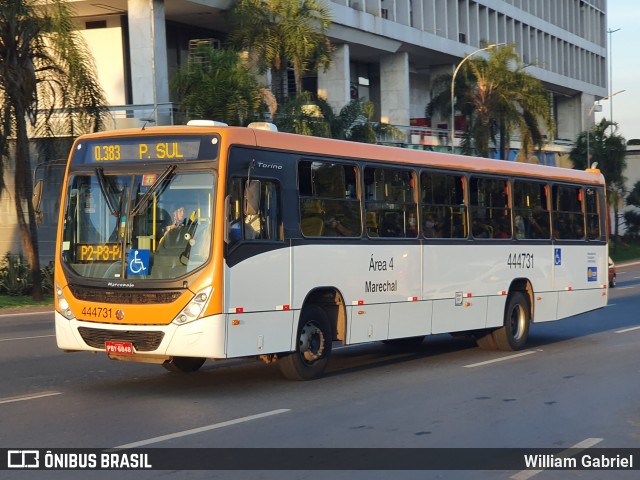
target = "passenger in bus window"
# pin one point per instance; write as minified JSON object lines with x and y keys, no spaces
{"x":539,"y":221}
{"x":480,"y":230}
{"x":429,"y":227}
{"x":502,"y":229}
{"x":412,"y":225}
{"x":343,"y":218}
{"x":178,"y":219}
{"x":391,"y":226}
{"x":518,"y":223}
{"x":338,"y":227}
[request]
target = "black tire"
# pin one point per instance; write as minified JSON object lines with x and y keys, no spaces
{"x":183,"y":364}
{"x":517,"y":315}
{"x":313,"y":346}
{"x":612,"y":282}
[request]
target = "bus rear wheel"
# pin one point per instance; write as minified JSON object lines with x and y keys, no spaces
{"x":183,"y":364}
{"x":313,"y":347}
{"x":517,"y":316}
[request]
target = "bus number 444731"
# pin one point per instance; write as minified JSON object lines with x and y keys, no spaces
{"x":520,"y":260}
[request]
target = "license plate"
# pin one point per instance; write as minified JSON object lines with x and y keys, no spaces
{"x":121,"y":348}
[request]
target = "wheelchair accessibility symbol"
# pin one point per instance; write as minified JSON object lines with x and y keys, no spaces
{"x":138,"y":262}
{"x":557,"y":257}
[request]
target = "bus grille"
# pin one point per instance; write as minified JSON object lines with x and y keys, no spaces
{"x":123,"y":297}
{"x":142,"y":341}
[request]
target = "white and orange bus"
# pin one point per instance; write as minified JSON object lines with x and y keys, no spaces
{"x":183,"y":243}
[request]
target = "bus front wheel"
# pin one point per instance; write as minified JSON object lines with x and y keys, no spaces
{"x":313,"y":346}
{"x":183,"y":364}
{"x":517,"y":315}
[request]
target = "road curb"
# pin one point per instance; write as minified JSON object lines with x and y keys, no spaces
{"x":628,"y":263}
{"x":13,"y":311}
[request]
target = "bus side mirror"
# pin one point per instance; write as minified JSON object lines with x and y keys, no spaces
{"x":36,"y":199}
{"x":252,"y":197}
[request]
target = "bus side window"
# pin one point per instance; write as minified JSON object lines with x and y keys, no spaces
{"x":592,"y":214}
{"x":568,"y":216}
{"x":444,"y":213}
{"x":390,"y":202}
{"x":530,"y":213}
{"x":329,"y":200}
{"x":489,"y":208}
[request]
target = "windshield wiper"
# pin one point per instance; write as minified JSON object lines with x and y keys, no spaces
{"x":106,"y":193}
{"x":145,"y":198}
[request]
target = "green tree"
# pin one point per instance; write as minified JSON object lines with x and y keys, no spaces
{"x":632,"y":222}
{"x":634,"y":196}
{"x":355,"y":123}
{"x":608,"y":150}
{"x":305,"y":114}
{"x":605,"y":148}
{"x":217,"y":84}
{"x":499,"y":99}
{"x":45,"y":68}
{"x":280,"y":33}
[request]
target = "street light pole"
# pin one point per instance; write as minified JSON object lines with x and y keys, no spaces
{"x":611,"y":32}
{"x":453,"y":82}
{"x":596,"y":104}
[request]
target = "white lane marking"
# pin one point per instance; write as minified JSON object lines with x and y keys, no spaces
{"x":502,"y":359}
{"x":628,"y":330}
{"x":627,"y":288}
{"x":32,"y":396}
{"x":25,"y":338}
{"x":583,"y":445}
{"x":206,"y":428}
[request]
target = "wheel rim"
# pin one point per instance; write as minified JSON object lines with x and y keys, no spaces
{"x":311,"y":343}
{"x":517,"y":322}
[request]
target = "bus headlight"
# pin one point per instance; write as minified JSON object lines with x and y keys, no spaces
{"x":63,"y":304}
{"x":195,"y":307}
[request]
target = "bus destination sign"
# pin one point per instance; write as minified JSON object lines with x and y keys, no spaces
{"x":105,"y":252}
{"x":112,"y":151}
{"x":146,"y":149}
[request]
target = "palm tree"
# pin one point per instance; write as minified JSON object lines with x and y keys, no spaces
{"x":355,"y":123}
{"x":498,"y":98}
{"x":218,"y":85}
{"x":44,"y":68}
{"x":305,"y":114}
{"x":605,"y":148}
{"x":280,"y":33}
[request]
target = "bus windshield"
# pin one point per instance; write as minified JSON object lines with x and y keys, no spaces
{"x":137,"y":226}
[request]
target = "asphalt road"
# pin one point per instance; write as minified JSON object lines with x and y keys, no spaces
{"x":578,"y":384}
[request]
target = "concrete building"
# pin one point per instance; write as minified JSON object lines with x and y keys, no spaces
{"x":387,"y":51}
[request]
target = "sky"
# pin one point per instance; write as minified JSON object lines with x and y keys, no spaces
{"x":625,"y":57}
